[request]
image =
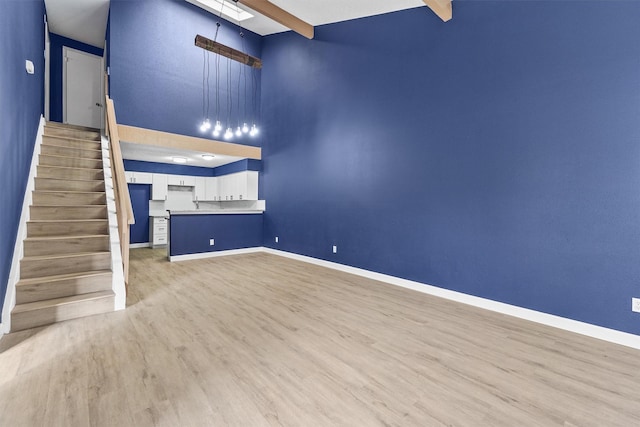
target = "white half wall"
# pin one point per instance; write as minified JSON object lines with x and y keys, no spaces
{"x":18,"y":250}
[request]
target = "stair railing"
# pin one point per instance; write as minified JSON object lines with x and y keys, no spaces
{"x":124,"y":210}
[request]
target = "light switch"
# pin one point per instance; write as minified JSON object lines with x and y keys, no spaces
{"x":29,"y":67}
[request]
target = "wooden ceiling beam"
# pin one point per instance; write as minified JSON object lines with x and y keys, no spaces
{"x":281,"y":16}
{"x":229,"y":52}
{"x":442,"y":8}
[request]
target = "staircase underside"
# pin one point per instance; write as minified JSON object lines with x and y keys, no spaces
{"x":66,"y":269}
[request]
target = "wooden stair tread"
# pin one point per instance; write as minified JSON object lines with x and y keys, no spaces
{"x":72,"y":138}
{"x":70,"y":179}
{"x":63,"y":256}
{"x":51,"y":221}
{"x":70,"y":206}
{"x":59,"y":277}
{"x":75,"y":236}
{"x":72,"y":148}
{"x":68,"y":191}
{"x":61,"y":125}
{"x":72,"y":168}
{"x":60,"y":156}
{"x":56,"y":302}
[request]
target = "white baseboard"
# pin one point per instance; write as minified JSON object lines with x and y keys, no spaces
{"x":18,"y":249}
{"x":599,"y":332}
{"x":117,"y":284}
{"x":139,"y":245}
{"x":215,"y":254}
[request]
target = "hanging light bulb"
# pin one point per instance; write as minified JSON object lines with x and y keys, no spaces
{"x":218,"y":126}
{"x":245,"y":128}
{"x":254,"y":130}
{"x":228,"y":134}
{"x":205,"y":125}
{"x":216,"y":132}
{"x":238,"y":131}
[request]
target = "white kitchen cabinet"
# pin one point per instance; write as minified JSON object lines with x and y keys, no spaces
{"x":211,"y":189}
{"x":199,"y":189}
{"x":158,"y":231}
{"x":138,"y":177}
{"x":159,"y":187}
{"x":181,"y":180}
{"x":239,"y":186}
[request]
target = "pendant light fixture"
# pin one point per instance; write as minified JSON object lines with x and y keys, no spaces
{"x":242,"y":120}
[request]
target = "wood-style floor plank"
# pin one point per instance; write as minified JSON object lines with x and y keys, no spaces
{"x":260,"y":340}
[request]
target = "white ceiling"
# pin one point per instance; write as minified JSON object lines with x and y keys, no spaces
{"x":157,"y":154}
{"x":81,"y":20}
{"x":86,"y":20}
{"x":320,"y":12}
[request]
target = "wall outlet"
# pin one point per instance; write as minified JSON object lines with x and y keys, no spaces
{"x":635,"y":305}
{"x":276,"y":239}
{"x":212,"y":242}
{"x":335,"y":249}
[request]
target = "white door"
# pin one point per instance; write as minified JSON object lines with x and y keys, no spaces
{"x":82,"y":91}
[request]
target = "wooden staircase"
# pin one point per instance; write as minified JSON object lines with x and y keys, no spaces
{"x":66,"y":269}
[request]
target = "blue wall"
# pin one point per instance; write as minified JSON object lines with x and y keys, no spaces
{"x":156,"y":70}
{"x":21,"y":104}
{"x":55,"y":70}
{"x":140,"y":195}
{"x":497,"y":154}
{"x":171,"y":169}
{"x":190,"y":234}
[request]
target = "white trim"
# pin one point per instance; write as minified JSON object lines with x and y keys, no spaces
{"x":117,"y":284}
{"x":18,"y":250}
{"x":582,"y":328}
{"x":139,"y":245}
{"x":215,"y":254}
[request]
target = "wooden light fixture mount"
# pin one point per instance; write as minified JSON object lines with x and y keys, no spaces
{"x":228,"y":52}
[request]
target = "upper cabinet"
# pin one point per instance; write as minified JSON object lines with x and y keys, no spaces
{"x":182,"y":180}
{"x":159,"y":189}
{"x":138,"y":177}
{"x":239,"y":186}
{"x":199,"y":189}
{"x":232,"y":187}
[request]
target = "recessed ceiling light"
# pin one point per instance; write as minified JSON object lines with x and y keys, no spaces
{"x":179,"y":159}
{"x":226,"y":8}
{"x":208,"y":156}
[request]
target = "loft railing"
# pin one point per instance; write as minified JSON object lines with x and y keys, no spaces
{"x":124,"y":210}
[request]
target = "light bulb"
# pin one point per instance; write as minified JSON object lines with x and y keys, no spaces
{"x":216,"y":133}
{"x":254,"y":130}
{"x":207,"y":124}
{"x":203,"y":127}
{"x":218,"y":126}
{"x":245,"y":128}
{"x":228,"y":134}
{"x":238,"y":131}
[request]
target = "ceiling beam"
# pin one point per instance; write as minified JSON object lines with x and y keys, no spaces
{"x":229,"y":52}
{"x":281,"y":16}
{"x":442,"y":8}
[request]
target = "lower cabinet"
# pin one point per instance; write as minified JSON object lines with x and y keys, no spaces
{"x":158,"y":231}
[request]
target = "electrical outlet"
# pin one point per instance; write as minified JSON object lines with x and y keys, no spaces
{"x":212,"y":242}
{"x":276,"y":239}
{"x":335,"y":249}
{"x":635,"y":305}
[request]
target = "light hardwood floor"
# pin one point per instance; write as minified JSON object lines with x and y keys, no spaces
{"x":257,"y":340}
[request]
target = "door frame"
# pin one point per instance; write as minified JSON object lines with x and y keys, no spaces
{"x":47,"y":70}
{"x":66,"y":49}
